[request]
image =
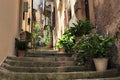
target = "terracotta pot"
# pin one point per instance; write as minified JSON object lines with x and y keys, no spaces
{"x":49,"y":46}
{"x":101,"y":64}
{"x":62,"y":50}
{"x":21,"y":53}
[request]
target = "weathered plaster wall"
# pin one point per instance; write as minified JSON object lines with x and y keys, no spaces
{"x":80,"y":9}
{"x":8,"y":26}
{"x":107,"y":15}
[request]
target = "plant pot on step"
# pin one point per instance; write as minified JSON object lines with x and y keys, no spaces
{"x":49,"y":46}
{"x":61,"y":50}
{"x":101,"y":64}
{"x":21,"y":53}
{"x":21,"y":47}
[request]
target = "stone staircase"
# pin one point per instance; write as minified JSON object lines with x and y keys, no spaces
{"x":50,"y":65}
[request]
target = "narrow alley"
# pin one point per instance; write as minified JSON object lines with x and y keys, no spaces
{"x":60,"y":40}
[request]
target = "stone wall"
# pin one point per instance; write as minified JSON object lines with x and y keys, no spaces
{"x":107,"y":17}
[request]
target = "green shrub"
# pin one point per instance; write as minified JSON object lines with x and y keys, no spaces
{"x":82,"y":27}
{"x":93,"y":45}
{"x":21,"y":44}
{"x":66,"y":42}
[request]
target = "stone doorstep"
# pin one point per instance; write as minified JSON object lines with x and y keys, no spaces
{"x":43,"y":52}
{"x":29,"y":62}
{"x":39,"y":64}
{"x":62,"y":75}
{"x":45,"y":69}
{"x":42,"y":49}
{"x":47,"y":55}
{"x":41,"y":58}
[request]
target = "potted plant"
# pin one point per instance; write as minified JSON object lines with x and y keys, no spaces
{"x":35,"y":35}
{"x":100,"y":50}
{"x":21,"y":46}
{"x":66,"y":42}
{"x":61,"y":44}
{"x":96,"y":46}
{"x":48,"y":36}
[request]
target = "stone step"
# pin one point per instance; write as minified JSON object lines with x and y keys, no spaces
{"x":40,"y":58}
{"x":45,"y":69}
{"x":44,"y":54}
{"x":43,"y":51}
{"x":50,"y":50}
{"x":39,"y":63}
{"x":111,"y":78}
{"x":60,"y":75}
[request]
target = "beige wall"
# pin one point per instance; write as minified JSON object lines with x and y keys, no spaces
{"x":8,"y":26}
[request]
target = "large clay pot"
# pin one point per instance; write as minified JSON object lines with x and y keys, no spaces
{"x":21,"y":53}
{"x":101,"y":64}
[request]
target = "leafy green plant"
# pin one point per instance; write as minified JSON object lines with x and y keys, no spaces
{"x":99,"y":46}
{"x":82,"y":27}
{"x":28,"y":36}
{"x":80,"y":49}
{"x":35,"y":34}
{"x":48,"y":36}
{"x":66,"y":42}
{"x":93,"y":45}
{"x":21,"y":44}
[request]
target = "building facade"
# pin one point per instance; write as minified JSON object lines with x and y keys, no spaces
{"x":103,"y":14}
